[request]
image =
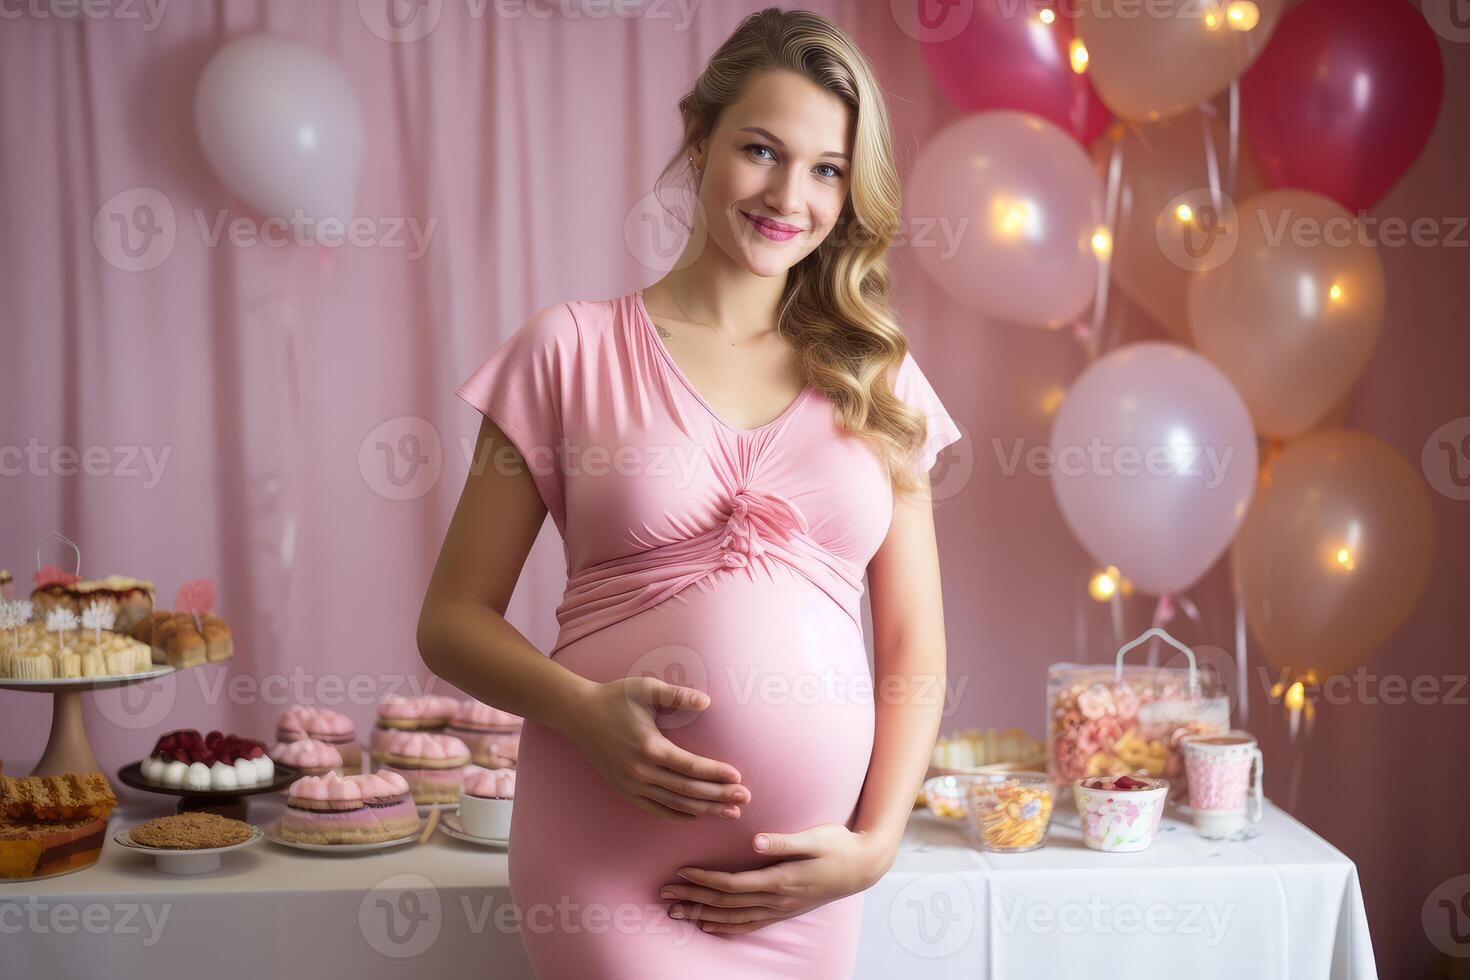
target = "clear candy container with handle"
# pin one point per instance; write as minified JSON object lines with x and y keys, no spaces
{"x":1129,"y":718}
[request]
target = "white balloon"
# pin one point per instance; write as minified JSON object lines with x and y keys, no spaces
{"x":281,"y":126}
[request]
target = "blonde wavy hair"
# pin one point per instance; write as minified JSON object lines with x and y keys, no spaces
{"x":835,"y":311}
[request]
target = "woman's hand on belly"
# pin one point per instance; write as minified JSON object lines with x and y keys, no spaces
{"x":614,"y":727}
{"x":822,"y":864}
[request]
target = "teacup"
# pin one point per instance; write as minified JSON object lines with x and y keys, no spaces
{"x":1219,"y":768}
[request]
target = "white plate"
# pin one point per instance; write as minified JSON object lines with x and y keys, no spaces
{"x":449,"y":823}
{"x":342,"y":848}
{"x":181,"y":861}
{"x":56,"y":684}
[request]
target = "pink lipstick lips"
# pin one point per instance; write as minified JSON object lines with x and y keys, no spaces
{"x":776,"y":231}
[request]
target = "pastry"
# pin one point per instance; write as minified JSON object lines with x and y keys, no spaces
{"x":30,"y":849}
{"x":130,"y":599}
{"x":357,"y":809}
{"x":429,"y":712}
{"x":66,"y":797}
{"x":325,"y":725}
{"x":432,"y":763}
{"x":183,"y":639}
{"x":495,"y":751}
{"x":191,"y":831}
{"x":313,"y":758}
{"x":485,"y":802}
{"x":186,"y":759}
{"x":493,"y":735}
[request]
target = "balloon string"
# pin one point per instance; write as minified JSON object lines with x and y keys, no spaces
{"x":1105,"y":262}
{"x":1212,"y":165}
{"x":1242,"y":648}
{"x":1232,"y":157}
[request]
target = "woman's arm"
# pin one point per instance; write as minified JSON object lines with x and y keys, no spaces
{"x":463,"y":635}
{"x":909,"y":674}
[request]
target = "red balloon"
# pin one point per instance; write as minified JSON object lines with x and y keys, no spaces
{"x":1344,"y":97}
{"x":1006,"y":57}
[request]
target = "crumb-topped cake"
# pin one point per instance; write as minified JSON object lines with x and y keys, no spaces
{"x":191,"y":831}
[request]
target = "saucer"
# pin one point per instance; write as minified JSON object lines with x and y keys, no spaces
{"x":450,"y":824}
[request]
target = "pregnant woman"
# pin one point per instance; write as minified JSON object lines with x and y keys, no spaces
{"x":710,"y":774}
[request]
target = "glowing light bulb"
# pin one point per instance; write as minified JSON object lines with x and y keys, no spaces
{"x":1344,"y":558}
{"x":1052,"y":398}
{"x":1184,"y":214}
{"x":1078,"y":54}
{"x":1009,"y":217}
{"x":1296,"y":696}
{"x":1104,"y":584}
{"x":1102,"y":244}
{"x":1242,"y":15}
{"x":1047,"y":16}
{"x":1212,"y":20}
{"x":1334,"y":292}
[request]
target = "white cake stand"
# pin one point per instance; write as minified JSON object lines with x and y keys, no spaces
{"x":67,"y":748}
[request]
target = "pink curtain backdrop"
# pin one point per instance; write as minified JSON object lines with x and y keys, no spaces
{"x":300,"y":408}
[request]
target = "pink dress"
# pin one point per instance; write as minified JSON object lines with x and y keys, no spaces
{"x":731,"y":560}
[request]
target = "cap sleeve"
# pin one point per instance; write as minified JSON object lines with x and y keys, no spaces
{"x":914,"y":389}
{"x":523,"y":388}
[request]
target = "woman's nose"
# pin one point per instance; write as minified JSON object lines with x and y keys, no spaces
{"x":784,"y":194}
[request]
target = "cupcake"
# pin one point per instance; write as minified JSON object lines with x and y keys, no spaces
{"x":300,"y":722}
{"x":313,"y":758}
{"x":1119,"y":813}
{"x":359,"y":809}
{"x":485,"y":802}
{"x":432,"y":763}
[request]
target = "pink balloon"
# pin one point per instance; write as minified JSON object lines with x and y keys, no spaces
{"x":1154,"y":463}
{"x":1344,"y":97}
{"x":1005,"y":57}
{"x":281,"y":126}
{"x":1002,"y":207}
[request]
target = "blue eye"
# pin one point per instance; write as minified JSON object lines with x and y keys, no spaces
{"x":835,"y":171}
{"x":758,"y":146}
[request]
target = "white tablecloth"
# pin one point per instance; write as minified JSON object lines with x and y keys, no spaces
{"x":1284,"y":905}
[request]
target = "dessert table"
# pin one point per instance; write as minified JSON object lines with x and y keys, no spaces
{"x":1284,"y":904}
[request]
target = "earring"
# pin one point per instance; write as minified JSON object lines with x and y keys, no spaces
{"x":692,"y":164}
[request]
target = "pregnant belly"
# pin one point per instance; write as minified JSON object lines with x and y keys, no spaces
{"x":791,"y":706}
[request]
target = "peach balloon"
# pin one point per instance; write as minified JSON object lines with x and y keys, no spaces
{"x":1149,"y":61}
{"x":1003,"y":207}
{"x":1294,"y":315}
{"x":1164,"y":166}
{"x":1335,"y":550}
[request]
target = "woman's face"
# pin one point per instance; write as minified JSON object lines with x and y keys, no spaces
{"x":775,"y":172}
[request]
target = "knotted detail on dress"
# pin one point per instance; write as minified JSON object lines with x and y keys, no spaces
{"x":755,"y":517}
{"x":759,"y":524}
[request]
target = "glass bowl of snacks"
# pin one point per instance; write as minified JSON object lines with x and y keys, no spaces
{"x":1008,"y":812}
{"x":945,"y":796}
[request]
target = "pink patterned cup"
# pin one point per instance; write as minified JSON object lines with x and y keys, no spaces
{"x":1220,"y":770}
